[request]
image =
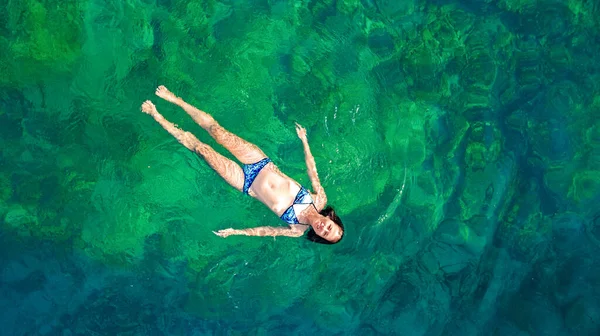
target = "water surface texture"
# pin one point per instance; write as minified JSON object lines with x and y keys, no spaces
{"x":459,"y":141}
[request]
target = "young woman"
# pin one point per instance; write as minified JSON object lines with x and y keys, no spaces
{"x":259,"y":177}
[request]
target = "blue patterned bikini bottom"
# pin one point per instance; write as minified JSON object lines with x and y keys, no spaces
{"x":251,"y":171}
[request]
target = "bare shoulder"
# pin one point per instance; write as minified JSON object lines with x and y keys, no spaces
{"x":301,"y":228}
{"x":320,"y":200}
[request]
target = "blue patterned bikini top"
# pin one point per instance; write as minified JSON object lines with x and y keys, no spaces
{"x":303,"y":197}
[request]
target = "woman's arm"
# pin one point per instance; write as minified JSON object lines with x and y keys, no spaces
{"x":262,"y":231}
{"x":321,"y":198}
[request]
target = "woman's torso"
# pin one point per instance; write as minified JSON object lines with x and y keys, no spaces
{"x":276,"y":190}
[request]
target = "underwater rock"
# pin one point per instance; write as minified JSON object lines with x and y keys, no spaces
{"x":422,"y":68}
{"x":592,"y":137}
{"x":477,"y":70}
{"x":581,"y":316}
{"x":367,"y":170}
{"x":347,"y":6}
{"x":484,"y":192}
{"x":18,"y":217}
{"x":568,"y":230}
{"x":451,"y":259}
{"x":12,"y":125}
{"x":550,"y":20}
{"x":405,"y":131}
{"x":558,"y":179}
{"x":117,"y":223}
{"x":337,"y":317}
{"x":484,"y":145}
{"x":550,"y":143}
{"x":478,"y":191}
{"x":537,"y":314}
{"x":3,"y":209}
{"x":526,"y":233}
{"x":562,"y":101}
{"x":517,"y":6}
{"x":47,"y":40}
{"x":429,"y":262}
{"x":458,"y":17}
{"x":390,"y":74}
{"x":475,"y":156}
{"x":402,"y":306}
{"x":426,"y":200}
{"x":392,"y":10}
{"x":527,"y":67}
{"x":448,"y":131}
{"x":559,"y":59}
{"x":453,"y":232}
{"x":446,"y":30}
{"x":480,"y":66}
{"x":475,"y":102}
{"x":5,"y":188}
{"x":300,"y":65}
{"x":585,"y":14}
{"x":558,"y":141}
{"x":381,"y":42}
{"x":585,"y":187}
{"x":484,"y":177}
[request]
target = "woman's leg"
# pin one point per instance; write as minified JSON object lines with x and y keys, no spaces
{"x":243,"y":150}
{"x":229,"y":170}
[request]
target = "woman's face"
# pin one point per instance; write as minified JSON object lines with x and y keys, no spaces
{"x":328,"y":229}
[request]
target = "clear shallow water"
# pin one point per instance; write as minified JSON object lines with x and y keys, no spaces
{"x":459,"y":143}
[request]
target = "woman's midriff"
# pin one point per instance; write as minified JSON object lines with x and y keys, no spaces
{"x":274,"y":189}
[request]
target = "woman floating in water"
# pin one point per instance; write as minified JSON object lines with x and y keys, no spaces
{"x":259,"y":177}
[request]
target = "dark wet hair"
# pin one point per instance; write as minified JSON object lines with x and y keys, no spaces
{"x":330,"y":213}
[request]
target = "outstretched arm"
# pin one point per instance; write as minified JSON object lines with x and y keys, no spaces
{"x":262,"y":231}
{"x":321,"y":199}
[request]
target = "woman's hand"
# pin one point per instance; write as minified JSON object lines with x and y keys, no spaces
{"x":301,"y":131}
{"x":225,"y":233}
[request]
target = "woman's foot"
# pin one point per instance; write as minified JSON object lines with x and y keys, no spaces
{"x":202,"y":118}
{"x":167,"y":95}
{"x":185,"y":138}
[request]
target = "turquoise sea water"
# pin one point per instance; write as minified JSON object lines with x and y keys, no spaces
{"x":459,"y":142}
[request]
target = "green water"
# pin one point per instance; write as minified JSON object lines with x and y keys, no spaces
{"x":458,"y":141}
